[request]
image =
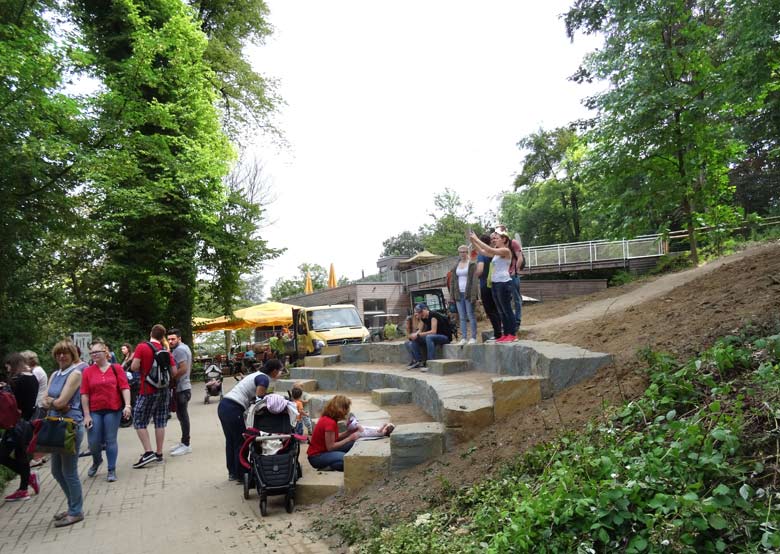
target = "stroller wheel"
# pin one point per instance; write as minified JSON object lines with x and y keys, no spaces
{"x":289,"y":503}
{"x":246,"y":486}
{"x":263,"y":506}
{"x":206,"y":400}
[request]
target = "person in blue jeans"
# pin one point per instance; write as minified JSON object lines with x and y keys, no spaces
{"x":514,"y":272}
{"x":63,"y":399}
{"x":328,"y":445}
{"x":436,"y":330}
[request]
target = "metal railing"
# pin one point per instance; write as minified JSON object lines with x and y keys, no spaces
{"x":591,"y":252}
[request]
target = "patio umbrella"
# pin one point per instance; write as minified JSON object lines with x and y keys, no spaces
{"x":332,"y":277}
{"x":308,"y":288}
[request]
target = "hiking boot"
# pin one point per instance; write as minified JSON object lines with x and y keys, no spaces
{"x":145,"y":459}
{"x":93,"y":469}
{"x":17,"y":496}
{"x":182,"y":450}
{"x":111,"y":477}
{"x":34,"y":483}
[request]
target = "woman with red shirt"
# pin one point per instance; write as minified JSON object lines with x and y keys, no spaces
{"x":327,"y":446}
{"x":103,"y":407}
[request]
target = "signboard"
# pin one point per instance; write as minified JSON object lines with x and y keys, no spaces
{"x":83,"y":341}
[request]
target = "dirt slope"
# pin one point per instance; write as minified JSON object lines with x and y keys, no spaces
{"x":680,"y":313}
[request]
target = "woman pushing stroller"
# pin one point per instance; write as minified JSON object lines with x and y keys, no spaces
{"x":231,"y":411}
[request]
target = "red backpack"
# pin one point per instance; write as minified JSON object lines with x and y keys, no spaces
{"x":9,"y":411}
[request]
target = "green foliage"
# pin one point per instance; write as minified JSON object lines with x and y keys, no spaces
{"x":685,"y":468}
{"x":404,"y":244}
{"x":285,"y":288}
{"x":390,"y":331}
{"x":450,"y":221}
{"x":621,"y":278}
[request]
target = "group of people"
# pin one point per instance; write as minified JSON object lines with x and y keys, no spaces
{"x":96,"y":397}
{"x":493,"y":278}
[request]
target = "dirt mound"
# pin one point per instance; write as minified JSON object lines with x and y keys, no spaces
{"x":681,"y":313}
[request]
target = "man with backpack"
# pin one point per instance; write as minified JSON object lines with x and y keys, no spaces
{"x":155,"y":365}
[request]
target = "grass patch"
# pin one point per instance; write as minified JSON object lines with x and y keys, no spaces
{"x":689,"y":467}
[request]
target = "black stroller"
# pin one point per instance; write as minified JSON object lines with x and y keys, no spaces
{"x":270,"y":454}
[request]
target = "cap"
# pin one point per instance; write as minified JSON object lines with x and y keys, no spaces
{"x":420,"y":307}
{"x":501,"y":230}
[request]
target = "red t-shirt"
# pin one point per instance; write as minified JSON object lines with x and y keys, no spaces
{"x":101,"y":387}
{"x":317,"y":441}
{"x":144,"y":353}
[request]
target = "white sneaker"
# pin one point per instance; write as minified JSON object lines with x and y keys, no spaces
{"x":182,"y":450}
{"x":461,"y":342}
{"x":176,"y":447}
{"x":471,"y":341}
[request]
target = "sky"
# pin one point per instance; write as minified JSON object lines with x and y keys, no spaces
{"x":387,"y":104}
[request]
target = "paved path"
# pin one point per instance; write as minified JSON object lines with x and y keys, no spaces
{"x":185,"y":504}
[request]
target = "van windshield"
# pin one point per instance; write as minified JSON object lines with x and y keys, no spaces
{"x":335,"y":317}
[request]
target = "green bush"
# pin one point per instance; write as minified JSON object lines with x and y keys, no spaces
{"x":689,"y":467}
{"x":621,"y":278}
{"x":390,"y":331}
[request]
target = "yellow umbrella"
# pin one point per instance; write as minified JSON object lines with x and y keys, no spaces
{"x":332,"y":277}
{"x":308,"y":288}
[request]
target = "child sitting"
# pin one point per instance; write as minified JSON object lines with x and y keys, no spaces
{"x":368,"y":432}
{"x":297,"y":395}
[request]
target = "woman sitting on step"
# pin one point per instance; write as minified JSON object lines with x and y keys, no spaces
{"x":328,"y":446}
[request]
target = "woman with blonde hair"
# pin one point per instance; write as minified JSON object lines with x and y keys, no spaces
{"x":328,"y":446}
{"x":464,"y":290}
{"x":63,"y":399}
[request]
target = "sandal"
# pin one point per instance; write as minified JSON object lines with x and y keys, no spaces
{"x":68,"y":520}
{"x":60,"y":516}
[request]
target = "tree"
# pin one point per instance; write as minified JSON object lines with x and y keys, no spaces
{"x":547,"y":207}
{"x":660,"y":139}
{"x":404,"y":244}
{"x":450,"y":222}
{"x":294,"y":286}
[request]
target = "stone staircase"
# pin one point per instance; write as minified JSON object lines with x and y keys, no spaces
{"x":464,"y":390}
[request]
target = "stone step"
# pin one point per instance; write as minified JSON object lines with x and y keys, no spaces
{"x":414,"y":443}
{"x":448,"y":367}
{"x":511,"y":394}
{"x":315,"y":486}
{"x":284,"y":385}
{"x":391,"y":397}
{"x":366,"y":461}
{"x":324,"y":360}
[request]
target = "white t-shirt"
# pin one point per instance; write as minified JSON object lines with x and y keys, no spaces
{"x":43,"y":384}
{"x":501,"y":269}
{"x":245,"y":390}
{"x":463,"y":277}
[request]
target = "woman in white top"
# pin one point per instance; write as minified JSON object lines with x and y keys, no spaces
{"x":464,"y":290}
{"x":500,"y":280}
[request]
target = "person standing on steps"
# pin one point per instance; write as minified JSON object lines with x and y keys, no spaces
{"x":500,"y":280}
{"x":464,"y":290}
{"x":514,"y":273}
{"x":183,"y":357}
{"x":152,"y":402}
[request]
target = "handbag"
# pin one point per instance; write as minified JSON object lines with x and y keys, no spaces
{"x":123,"y":423}
{"x":56,"y":435}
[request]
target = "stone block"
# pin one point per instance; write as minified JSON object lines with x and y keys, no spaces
{"x":390,"y":397}
{"x":284,"y":385}
{"x":352,"y":380}
{"x":334,"y":350}
{"x":317,"y":404}
{"x":315,"y":486}
{"x":447,"y":367}
{"x":415,"y":443}
{"x":327,"y":379}
{"x":388,"y":353}
{"x":511,"y":394}
{"x":366,"y":461}
{"x":298,"y":373}
{"x":564,"y":365}
{"x":321,"y":361}
{"x":355,"y":353}
{"x":464,"y":417}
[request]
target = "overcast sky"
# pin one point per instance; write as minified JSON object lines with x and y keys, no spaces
{"x":389,"y":103}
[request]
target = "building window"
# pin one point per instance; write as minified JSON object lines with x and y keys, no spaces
{"x":375,"y":305}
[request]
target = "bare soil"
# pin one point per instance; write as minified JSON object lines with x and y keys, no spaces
{"x":681,"y":313}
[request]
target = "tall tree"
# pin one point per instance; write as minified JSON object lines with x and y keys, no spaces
{"x":449,"y":223}
{"x":293,"y":286}
{"x":550,"y":188}
{"x":660,"y":138}
{"x":159,"y":163}
{"x":403,"y":244}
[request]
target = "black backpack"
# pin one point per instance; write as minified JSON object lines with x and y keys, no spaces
{"x":160,"y":374}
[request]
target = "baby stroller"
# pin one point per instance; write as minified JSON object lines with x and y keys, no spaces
{"x":213,"y":383}
{"x":270,"y":454}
